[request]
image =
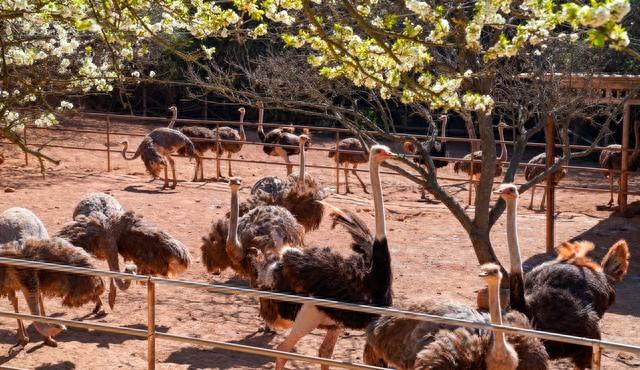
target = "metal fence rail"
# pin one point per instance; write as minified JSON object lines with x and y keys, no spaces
{"x":151,"y":334}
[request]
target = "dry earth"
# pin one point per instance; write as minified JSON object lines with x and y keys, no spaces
{"x":432,"y":256}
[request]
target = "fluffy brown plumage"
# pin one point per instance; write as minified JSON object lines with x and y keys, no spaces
{"x":571,"y":294}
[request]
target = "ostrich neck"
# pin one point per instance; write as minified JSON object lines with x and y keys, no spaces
{"x":444,"y":131}
{"x":503,"y":145}
{"x":243,"y":136}
{"x":232,"y":237}
{"x":302,"y":170}
{"x":378,"y":203}
{"x":499,"y":342}
{"x":512,"y":236}
{"x":636,"y":148}
{"x":174,"y":116}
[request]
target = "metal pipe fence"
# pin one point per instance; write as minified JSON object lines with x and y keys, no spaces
{"x":151,"y":334}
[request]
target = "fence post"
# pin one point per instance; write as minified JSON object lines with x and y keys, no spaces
{"x":596,"y":357}
{"x":151,"y":325}
{"x":24,"y":139}
{"x":218,"y":150}
{"x":108,"y":144}
{"x":471,"y":182}
{"x":337,"y":162}
{"x":549,"y":133}
{"x":624,"y":175}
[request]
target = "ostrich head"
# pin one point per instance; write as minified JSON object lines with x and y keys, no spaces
{"x":502,"y":355}
{"x":380,"y":153}
{"x":304,"y":139}
{"x":507,"y":191}
{"x":409,"y":147}
{"x":173,"y":109}
{"x":234,"y":183}
{"x":242,"y":112}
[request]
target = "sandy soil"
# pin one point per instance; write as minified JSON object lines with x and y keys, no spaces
{"x":432,"y":256}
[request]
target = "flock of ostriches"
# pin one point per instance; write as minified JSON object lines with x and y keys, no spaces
{"x":262,"y":240}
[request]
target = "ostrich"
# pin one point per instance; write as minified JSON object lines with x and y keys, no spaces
{"x":364,"y":277}
{"x":23,"y":236}
{"x":280,"y":136}
{"x":464,"y":164}
{"x":350,"y":144}
{"x":231,"y":140}
{"x":104,"y":229}
{"x":611,"y":159}
{"x":532,"y":171}
{"x":265,"y":228}
{"x":439,"y":149}
{"x":407,"y":344}
{"x":568,"y":295}
{"x":156,"y":149}
{"x":206,"y":142}
{"x":300,"y":193}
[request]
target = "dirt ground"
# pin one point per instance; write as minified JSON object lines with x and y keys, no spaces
{"x":432,"y":255}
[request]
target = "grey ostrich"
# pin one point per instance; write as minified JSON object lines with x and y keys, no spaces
{"x":350,"y":144}
{"x":265,"y":228}
{"x":156,"y":149}
{"x":407,"y":344}
{"x":611,"y":159}
{"x":23,"y":236}
{"x":464,"y":165}
{"x":363,"y":277}
{"x":231,"y":141}
{"x":300,"y":193}
{"x":532,"y":171}
{"x":439,"y":149}
{"x":102,"y":229}
{"x":205,"y":141}
{"x":568,"y":295}
{"x":279,"y":136}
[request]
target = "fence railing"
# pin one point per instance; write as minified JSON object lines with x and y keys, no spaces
{"x":151,"y":334}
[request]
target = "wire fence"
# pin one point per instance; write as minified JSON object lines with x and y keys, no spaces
{"x":151,"y":334}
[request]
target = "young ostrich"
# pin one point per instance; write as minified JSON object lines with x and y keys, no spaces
{"x":350,"y":144}
{"x":156,"y":149}
{"x":23,"y":236}
{"x":364,"y":277}
{"x":407,"y":344}
{"x":265,"y":228}
{"x":568,"y":295}
{"x":532,"y":171}
{"x":299,"y":193}
{"x":611,"y":159}
{"x":439,"y":149}
{"x":280,"y":136}
{"x":464,"y":164}
{"x":102,"y":228}
{"x":202,"y":146}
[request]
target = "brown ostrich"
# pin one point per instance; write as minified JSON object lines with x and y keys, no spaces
{"x":205,"y":141}
{"x":568,"y":295}
{"x":279,"y":136}
{"x":300,"y":193}
{"x":439,"y":149}
{"x":407,"y":344}
{"x":153,"y":251}
{"x":611,"y":159}
{"x":231,"y":140}
{"x":363,"y":277}
{"x":532,"y":171}
{"x":464,"y":164}
{"x":23,"y":236}
{"x":350,"y":144}
{"x":156,"y":149}
{"x":265,"y":228}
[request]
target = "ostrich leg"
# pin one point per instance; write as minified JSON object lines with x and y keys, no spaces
{"x":195,"y":174}
{"x":544,"y":197}
{"x":346,"y":179}
{"x":307,"y":319}
{"x":173,"y":171}
{"x":229,"y":163}
{"x":328,"y":344}
{"x":533,"y":193}
{"x":23,"y":339}
{"x":285,"y":156}
{"x":201,"y":168}
{"x":610,"y":188}
{"x":166,"y":178}
{"x":364,"y":187}
{"x":47,"y":340}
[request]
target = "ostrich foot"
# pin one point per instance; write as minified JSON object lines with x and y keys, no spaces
{"x":50,"y":342}
{"x":348,"y":191}
{"x":266,"y":330}
{"x":17,"y":348}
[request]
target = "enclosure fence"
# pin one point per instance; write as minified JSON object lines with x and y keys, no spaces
{"x":151,"y":334}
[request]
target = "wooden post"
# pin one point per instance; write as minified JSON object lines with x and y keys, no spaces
{"x":218,"y":149}
{"x":596,"y":357}
{"x":471,"y":182}
{"x":24,"y":139}
{"x":624,"y":175}
{"x":337,"y":162}
{"x":549,"y":133}
{"x":108,"y":144}
{"x":151,"y":325}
